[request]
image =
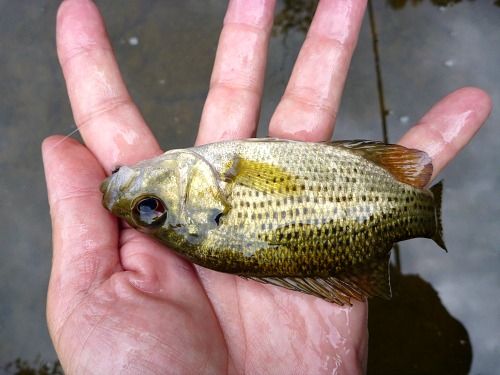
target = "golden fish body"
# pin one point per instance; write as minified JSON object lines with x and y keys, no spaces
{"x":320,"y":218}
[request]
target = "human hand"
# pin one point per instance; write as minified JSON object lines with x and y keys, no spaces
{"x":118,"y":302}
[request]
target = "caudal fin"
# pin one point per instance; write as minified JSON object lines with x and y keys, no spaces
{"x":437,"y":191}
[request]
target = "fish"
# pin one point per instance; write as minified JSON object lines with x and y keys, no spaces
{"x":318,"y":218}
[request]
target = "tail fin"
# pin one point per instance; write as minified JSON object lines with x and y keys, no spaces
{"x":437,"y":191}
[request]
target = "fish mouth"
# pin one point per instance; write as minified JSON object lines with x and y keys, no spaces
{"x":109,"y":193}
{"x":104,"y":185}
{"x":114,"y":186}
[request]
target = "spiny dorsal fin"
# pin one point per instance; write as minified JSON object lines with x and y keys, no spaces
{"x":261,"y":176}
{"x":408,"y":165}
{"x":372,"y":281}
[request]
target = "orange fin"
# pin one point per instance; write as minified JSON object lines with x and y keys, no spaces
{"x":407,"y":165}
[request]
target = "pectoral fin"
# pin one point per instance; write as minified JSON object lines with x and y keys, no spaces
{"x":261,"y":176}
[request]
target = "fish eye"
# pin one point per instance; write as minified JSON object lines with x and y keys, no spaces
{"x":149,"y":212}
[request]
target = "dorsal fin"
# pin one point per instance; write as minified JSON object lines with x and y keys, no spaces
{"x":407,"y":165}
{"x":372,"y":280}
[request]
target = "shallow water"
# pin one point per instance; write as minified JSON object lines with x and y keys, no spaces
{"x":166,"y":53}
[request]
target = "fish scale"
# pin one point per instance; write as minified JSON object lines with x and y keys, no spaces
{"x":320,"y":218}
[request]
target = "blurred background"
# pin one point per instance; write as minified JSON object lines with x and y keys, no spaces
{"x":445,"y":314}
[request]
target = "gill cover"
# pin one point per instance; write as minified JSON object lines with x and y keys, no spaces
{"x":201,"y":201}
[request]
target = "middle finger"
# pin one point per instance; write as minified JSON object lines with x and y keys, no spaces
{"x":310,"y":104}
{"x":233,"y":103}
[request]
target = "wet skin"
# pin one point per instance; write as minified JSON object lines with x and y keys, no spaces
{"x":117,"y":301}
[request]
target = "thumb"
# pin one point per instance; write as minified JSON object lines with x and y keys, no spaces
{"x":85,"y":236}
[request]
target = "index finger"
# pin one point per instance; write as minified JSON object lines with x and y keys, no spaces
{"x":109,"y":121}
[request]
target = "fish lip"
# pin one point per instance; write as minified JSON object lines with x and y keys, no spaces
{"x":104,"y":185}
{"x":109,"y":194}
{"x":113,"y":186}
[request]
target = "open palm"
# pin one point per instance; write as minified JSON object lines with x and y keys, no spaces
{"x":118,"y":301}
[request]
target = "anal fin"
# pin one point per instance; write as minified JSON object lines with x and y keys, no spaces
{"x":372,"y":280}
{"x":330,"y":289}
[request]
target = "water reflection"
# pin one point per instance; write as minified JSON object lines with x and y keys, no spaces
{"x":37,"y":367}
{"x":414,"y":333}
{"x":295,"y":14}
{"x":398,"y":4}
{"x":298,"y":14}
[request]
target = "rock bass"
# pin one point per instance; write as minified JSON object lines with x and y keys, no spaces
{"x":320,"y":218}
